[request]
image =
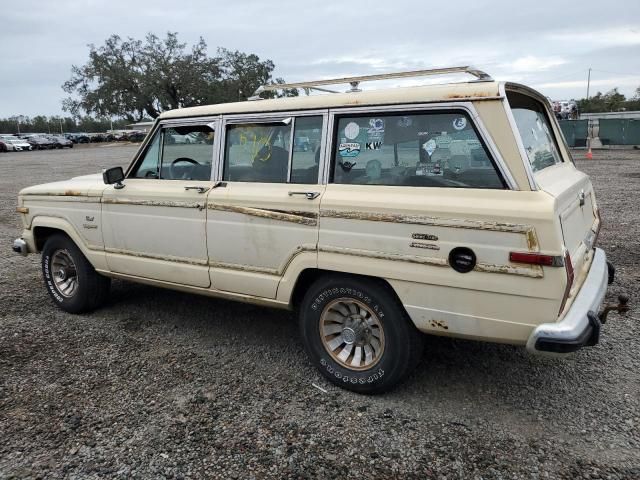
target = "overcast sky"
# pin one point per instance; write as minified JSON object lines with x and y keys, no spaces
{"x":545,"y":44}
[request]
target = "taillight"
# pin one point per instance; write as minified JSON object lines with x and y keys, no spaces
{"x":568,"y":266}
{"x":535,"y":259}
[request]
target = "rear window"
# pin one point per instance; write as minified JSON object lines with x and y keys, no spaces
{"x":535,"y":131}
{"x":434,"y":149}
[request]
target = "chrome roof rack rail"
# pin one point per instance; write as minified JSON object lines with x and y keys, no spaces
{"x":355,"y":81}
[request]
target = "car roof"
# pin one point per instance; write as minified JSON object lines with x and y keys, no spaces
{"x":466,"y":91}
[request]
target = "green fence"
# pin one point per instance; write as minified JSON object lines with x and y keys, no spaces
{"x":575,"y":132}
{"x":619,"y":131}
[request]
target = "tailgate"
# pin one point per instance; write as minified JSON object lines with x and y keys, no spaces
{"x":575,"y":207}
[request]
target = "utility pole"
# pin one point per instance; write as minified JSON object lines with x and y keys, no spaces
{"x":61,"y":126}
{"x":588,"y":82}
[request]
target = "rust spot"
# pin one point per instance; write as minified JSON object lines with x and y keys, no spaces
{"x":24,"y":210}
{"x":532,"y":240}
{"x":72,"y":193}
{"x":302,"y":218}
{"x":470,"y":95}
{"x":439,"y":324}
{"x":153,"y":203}
{"x":533,"y":271}
{"x":168,"y":258}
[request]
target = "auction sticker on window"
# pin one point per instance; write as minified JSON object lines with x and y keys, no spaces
{"x":459,"y":123}
{"x":352,"y":130}
{"x":349,"y":149}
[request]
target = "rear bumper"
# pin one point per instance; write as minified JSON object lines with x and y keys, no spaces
{"x":580,"y":326}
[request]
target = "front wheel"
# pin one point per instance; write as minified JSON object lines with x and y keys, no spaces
{"x":71,"y":280}
{"x":357,"y":333}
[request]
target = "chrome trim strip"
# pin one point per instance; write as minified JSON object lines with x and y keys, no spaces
{"x":153,"y":203}
{"x":266,"y":270}
{"x":434,"y":261}
{"x":303,"y":218}
{"x":152,"y":256}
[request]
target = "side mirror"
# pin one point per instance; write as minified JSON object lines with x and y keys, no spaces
{"x":113,"y":175}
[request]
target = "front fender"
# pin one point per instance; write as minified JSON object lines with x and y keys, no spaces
{"x":94,"y":253}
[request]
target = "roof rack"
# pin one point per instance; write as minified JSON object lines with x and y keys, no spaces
{"x":355,"y":81}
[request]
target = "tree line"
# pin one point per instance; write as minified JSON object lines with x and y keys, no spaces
{"x":612,"y":101}
{"x":56,"y":124}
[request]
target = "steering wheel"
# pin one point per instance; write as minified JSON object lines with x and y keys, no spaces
{"x":185,"y":175}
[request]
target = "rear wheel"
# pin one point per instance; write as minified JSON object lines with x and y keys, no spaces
{"x":358,"y":334}
{"x":71,"y":280}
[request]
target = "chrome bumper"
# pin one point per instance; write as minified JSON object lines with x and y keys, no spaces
{"x":21,"y":247}
{"x":581,"y":325}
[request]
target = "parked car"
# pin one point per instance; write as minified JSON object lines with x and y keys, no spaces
{"x":78,"y":137}
{"x":452,"y":210}
{"x":40,"y":143}
{"x":16,"y":144}
{"x":3,"y":147}
{"x":60,"y":141}
{"x":136,"y":136}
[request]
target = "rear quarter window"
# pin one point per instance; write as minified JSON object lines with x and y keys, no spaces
{"x":434,"y":149}
{"x":535,"y":131}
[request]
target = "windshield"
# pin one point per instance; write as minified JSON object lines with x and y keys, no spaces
{"x":535,"y":131}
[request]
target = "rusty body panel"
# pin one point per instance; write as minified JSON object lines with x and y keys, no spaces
{"x":153,"y":203}
{"x":526,"y":230}
{"x":303,"y":218}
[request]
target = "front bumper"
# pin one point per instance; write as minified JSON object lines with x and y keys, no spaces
{"x":580,"y":326}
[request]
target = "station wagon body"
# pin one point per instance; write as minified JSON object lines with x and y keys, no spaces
{"x":446,"y":209}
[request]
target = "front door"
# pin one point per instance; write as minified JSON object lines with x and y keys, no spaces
{"x":264,"y":216}
{"x":155,"y":227}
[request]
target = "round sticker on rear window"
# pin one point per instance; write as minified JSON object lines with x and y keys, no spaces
{"x":459,"y":123}
{"x":352,"y":130}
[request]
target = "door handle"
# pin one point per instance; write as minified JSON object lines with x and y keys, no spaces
{"x":199,"y":189}
{"x":309,"y":195}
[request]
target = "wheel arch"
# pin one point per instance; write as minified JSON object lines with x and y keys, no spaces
{"x":44,"y":226}
{"x":310,"y":275}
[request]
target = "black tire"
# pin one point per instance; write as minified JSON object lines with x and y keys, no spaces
{"x":90,"y":289}
{"x":402,"y":341}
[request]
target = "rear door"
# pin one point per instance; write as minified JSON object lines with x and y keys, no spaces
{"x":554,"y":172}
{"x":264,"y":215}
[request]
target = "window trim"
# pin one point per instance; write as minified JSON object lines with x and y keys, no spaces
{"x":467,"y":107}
{"x":516,"y":131}
{"x":271,"y":117}
{"x":158,"y":128}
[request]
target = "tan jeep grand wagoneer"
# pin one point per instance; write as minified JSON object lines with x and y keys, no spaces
{"x":448,"y":209}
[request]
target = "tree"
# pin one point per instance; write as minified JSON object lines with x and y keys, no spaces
{"x":135,"y":79}
{"x":612,"y":101}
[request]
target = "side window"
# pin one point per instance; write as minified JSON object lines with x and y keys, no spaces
{"x":178,"y":153}
{"x":286,"y":151}
{"x":307,"y":139}
{"x":423,"y":149}
{"x":535,"y":131}
{"x":187,"y":152}
{"x":257,"y":152}
{"x":150,"y":165}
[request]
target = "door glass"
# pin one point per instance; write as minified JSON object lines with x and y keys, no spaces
{"x":187,"y":153}
{"x":150,"y":165}
{"x":257,"y":152}
{"x":305,"y":161}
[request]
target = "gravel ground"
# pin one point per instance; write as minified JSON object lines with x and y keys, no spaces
{"x":164,"y":384}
